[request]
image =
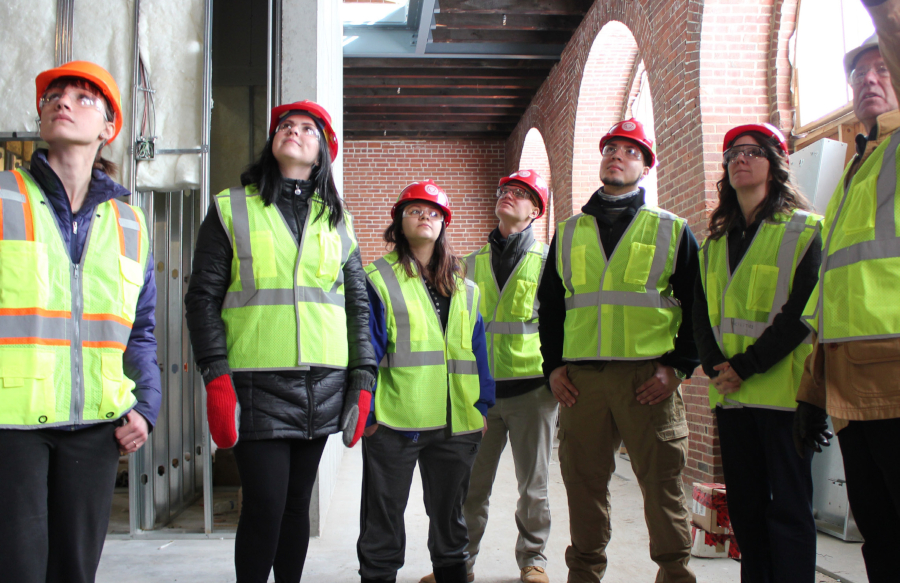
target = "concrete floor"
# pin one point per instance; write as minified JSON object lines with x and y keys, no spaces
{"x":332,"y":557}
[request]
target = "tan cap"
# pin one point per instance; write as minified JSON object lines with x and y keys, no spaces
{"x":852,"y":55}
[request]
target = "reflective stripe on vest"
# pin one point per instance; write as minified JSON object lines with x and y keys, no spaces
{"x":637,"y":311}
{"x":753,"y":290}
{"x":277,"y":281}
{"x":871,"y":265}
{"x":422,"y":361}
{"x":512,"y":343}
{"x":62,"y":346}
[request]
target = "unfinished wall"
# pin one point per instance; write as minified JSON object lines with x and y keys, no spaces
{"x":741,"y":58}
{"x":534,"y":157}
{"x":468,"y":170}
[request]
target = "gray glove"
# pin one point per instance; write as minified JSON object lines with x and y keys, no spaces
{"x":357,"y":404}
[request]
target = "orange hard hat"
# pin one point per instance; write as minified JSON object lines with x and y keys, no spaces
{"x":89,"y":72}
{"x":426,"y":191}
{"x":631,"y":129}
{"x":765,"y":129}
{"x":310,"y":107}
{"x":535,"y":183}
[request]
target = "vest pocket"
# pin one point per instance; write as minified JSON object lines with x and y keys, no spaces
{"x":523,"y":300}
{"x":262,"y":248}
{"x":763,"y":283}
{"x":640,"y":260}
{"x":418,"y":325}
{"x":112,"y":377}
{"x":465,"y":340}
{"x":132,"y":281}
{"x":26,"y":387}
{"x":579,"y":274}
{"x":24,"y":274}
{"x":329,"y":255}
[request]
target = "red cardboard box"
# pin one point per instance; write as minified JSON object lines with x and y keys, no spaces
{"x":710,"y":509}
{"x":713,"y":546}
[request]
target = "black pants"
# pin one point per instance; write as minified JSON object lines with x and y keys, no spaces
{"x":872,"y":468}
{"x":445,"y":463}
{"x":277,"y":477}
{"x":769,"y":492}
{"x":56,"y":491}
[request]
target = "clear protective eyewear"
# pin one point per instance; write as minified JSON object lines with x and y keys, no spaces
{"x":858,"y":75}
{"x":515,"y":192}
{"x":288,"y":127}
{"x":749,"y":152}
{"x":80,"y":97}
{"x":418,"y":214}
{"x":632,"y":152}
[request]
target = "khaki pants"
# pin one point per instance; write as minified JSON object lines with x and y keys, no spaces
{"x":527,"y":421}
{"x":606,"y":413}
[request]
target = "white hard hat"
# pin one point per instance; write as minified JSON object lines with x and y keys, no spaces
{"x":852,"y":55}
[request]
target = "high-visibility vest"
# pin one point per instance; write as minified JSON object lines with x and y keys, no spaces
{"x":64,"y":327}
{"x":422,"y":364}
{"x":511,"y":314}
{"x":623,"y":308}
{"x":856,"y":297}
{"x":743,"y":304}
{"x":284,"y":308}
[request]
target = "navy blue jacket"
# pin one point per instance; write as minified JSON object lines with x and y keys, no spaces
{"x":378,"y":328}
{"x":139,"y":359}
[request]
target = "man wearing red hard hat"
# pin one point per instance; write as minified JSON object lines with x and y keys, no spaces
{"x":617,"y":340}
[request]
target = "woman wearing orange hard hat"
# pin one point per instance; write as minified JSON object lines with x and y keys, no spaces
{"x":433,"y":392}
{"x":80,"y":381}
{"x":278,"y":316}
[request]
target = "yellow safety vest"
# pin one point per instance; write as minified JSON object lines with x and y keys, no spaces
{"x":856,"y":297}
{"x":284,"y":308}
{"x":743,"y":304}
{"x":64,"y":327}
{"x":621,"y":308}
{"x":423,"y":365}
{"x":511,"y":314}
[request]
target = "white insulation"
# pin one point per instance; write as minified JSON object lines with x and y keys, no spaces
{"x":171,"y":46}
{"x":28,"y":36}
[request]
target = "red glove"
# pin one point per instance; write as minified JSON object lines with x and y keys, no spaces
{"x":222,"y":410}
{"x":357,"y":404}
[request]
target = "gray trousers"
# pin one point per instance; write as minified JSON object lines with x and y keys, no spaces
{"x":389,"y":459}
{"x":527,"y":422}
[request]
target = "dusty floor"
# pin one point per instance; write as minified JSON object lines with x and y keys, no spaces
{"x":332,"y":557}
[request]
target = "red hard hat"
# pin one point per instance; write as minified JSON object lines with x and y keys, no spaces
{"x":765,"y":129}
{"x":310,"y":107}
{"x":534,"y":182}
{"x":89,"y":72}
{"x":631,"y":129}
{"x":426,"y":191}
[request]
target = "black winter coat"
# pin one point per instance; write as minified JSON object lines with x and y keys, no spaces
{"x":283,"y":404}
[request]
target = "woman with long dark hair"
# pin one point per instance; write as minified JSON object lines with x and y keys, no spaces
{"x":757,"y":269}
{"x":79,"y":382}
{"x":434,"y":389}
{"x":278,"y":316}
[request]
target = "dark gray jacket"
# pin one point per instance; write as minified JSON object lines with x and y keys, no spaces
{"x":282,"y":404}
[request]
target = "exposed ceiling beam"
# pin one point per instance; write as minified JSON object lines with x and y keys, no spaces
{"x":579,"y":7}
{"x":507,"y":21}
{"x":426,"y":19}
{"x":536,"y":38}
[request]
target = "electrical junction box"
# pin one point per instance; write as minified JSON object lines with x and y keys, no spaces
{"x":817,"y":170}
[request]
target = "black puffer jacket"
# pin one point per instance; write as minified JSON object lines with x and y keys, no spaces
{"x":286,"y":404}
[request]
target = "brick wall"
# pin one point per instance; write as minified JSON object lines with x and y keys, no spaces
{"x":739,"y":59}
{"x":468,"y":170}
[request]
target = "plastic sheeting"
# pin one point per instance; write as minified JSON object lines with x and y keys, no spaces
{"x":171,"y":46}
{"x":28,"y":33}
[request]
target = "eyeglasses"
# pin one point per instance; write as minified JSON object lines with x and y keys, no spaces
{"x":305,"y":130}
{"x":519,"y":193}
{"x":749,"y":152}
{"x":858,"y":75}
{"x":81,"y":97}
{"x":430,"y":214}
{"x":632,"y":152}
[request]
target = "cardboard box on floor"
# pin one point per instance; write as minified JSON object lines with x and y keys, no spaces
{"x":710,"y":509}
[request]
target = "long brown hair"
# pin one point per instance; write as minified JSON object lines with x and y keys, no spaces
{"x":443,"y":269}
{"x":782,"y":197}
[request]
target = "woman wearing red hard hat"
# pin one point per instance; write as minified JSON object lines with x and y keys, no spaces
{"x":79,"y":381}
{"x":278,"y":316}
{"x":757,"y":270}
{"x":434,"y":389}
